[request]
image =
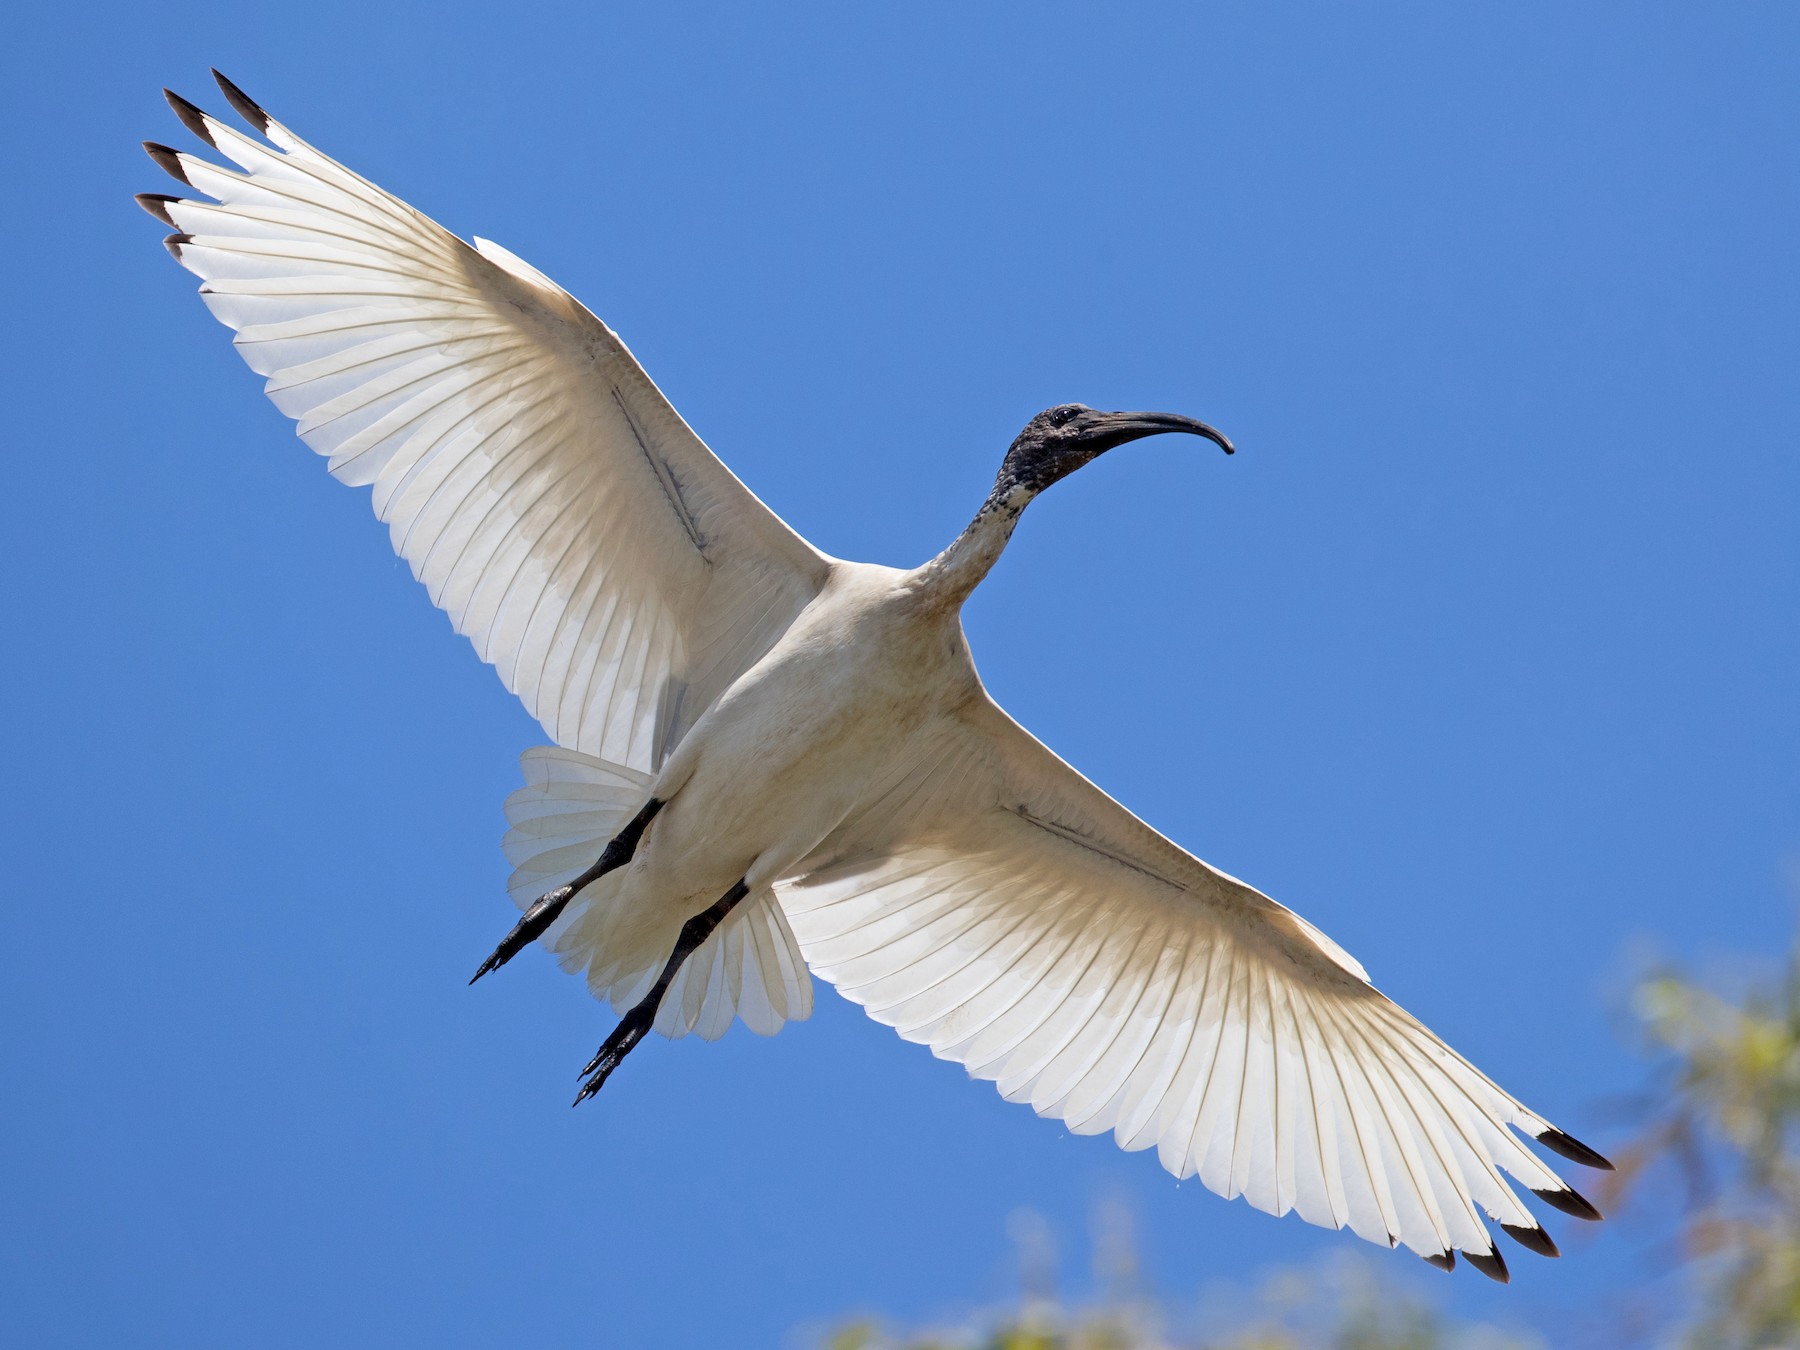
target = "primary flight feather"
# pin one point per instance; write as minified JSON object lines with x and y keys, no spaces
{"x":770,"y":761}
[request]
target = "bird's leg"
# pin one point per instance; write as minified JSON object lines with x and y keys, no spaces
{"x":546,"y":907}
{"x":635,"y":1025}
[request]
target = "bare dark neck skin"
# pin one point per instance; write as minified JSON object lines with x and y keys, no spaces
{"x":948,"y":579}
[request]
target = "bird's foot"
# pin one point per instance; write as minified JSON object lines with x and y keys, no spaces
{"x":545,"y":909}
{"x":543,"y":912}
{"x":632,"y":1028}
{"x":636,"y":1024}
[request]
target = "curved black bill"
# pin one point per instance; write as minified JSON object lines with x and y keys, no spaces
{"x":1116,"y":428}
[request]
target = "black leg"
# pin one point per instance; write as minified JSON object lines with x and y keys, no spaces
{"x":635,"y":1025}
{"x":545,"y":908}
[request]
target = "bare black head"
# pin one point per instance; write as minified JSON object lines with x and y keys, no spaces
{"x":1053,"y":445}
{"x":1060,"y":440}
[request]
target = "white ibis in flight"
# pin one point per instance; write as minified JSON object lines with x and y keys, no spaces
{"x":770,"y":762}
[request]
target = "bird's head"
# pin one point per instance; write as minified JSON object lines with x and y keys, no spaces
{"x":1060,"y":440}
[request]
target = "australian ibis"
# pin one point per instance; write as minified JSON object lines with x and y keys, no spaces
{"x":769,"y":762}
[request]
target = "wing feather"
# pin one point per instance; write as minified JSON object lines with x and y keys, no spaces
{"x":551,"y":501}
{"x":990,"y":902}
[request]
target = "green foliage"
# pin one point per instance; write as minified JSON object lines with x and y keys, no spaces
{"x":1725,"y":1117}
{"x":1348,"y":1303}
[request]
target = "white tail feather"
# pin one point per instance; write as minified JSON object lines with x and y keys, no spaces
{"x":570,"y":806}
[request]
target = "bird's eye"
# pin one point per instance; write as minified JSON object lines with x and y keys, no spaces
{"x":1063,"y":416}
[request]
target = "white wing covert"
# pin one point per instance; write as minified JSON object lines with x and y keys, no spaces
{"x":552,"y":501}
{"x":994,"y":905}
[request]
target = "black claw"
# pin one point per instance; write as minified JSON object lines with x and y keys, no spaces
{"x":246,"y":106}
{"x":1489,"y":1263}
{"x":546,"y":907}
{"x":632,"y":1028}
{"x":1443,"y":1260}
{"x":594,"y":1084}
{"x":543,"y":912}
{"x":174,"y":242}
{"x":168,"y":160}
{"x":157,"y":204}
{"x":191,"y":117}
{"x":636,"y":1024}
{"x":625,"y":1036}
{"x":1573,"y":1149}
{"x":1570,"y":1202}
{"x":1532,"y":1239}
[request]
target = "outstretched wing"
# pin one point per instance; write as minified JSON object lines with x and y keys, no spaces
{"x":552,"y":501}
{"x":993,"y":904}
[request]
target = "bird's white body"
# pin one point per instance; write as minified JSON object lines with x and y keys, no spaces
{"x":837,"y":699}
{"x":815,"y":730}
{"x":794,"y":744}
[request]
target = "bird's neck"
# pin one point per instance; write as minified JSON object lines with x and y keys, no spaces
{"x":948,"y":578}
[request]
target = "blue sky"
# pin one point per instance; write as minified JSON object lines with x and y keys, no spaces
{"x":1481,"y":654}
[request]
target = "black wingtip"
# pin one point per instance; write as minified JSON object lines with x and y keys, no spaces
{"x":245,"y":105}
{"x":1532,"y":1239}
{"x":1443,"y":1260}
{"x":1573,"y":1149}
{"x":174,"y":242}
{"x":191,"y":117}
{"x":157,"y":204}
{"x":168,"y":160}
{"x":1570,"y":1202}
{"x":1490,"y":1264}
